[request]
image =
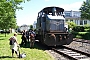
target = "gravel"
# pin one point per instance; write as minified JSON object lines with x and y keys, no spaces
{"x":75,"y":45}
{"x":80,"y":46}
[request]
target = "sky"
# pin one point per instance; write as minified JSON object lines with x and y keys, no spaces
{"x":30,"y":9}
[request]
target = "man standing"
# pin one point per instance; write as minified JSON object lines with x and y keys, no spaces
{"x":32,"y":38}
{"x":24,"y":38}
{"x":27,"y":35}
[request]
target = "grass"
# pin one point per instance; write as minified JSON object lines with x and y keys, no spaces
{"x":31,"y":54}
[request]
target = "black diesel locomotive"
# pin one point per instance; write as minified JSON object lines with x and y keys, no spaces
{"x":51,"y":29}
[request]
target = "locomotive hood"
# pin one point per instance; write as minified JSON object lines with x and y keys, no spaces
{"x":55,"y":17}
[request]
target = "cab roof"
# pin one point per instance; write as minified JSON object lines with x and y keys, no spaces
{"x":49,"y":9}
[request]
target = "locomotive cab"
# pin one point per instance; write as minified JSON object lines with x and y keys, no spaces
{"x":51,"y":27}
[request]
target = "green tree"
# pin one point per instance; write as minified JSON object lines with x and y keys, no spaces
{"x":7,"y":13}
{"x":31,"y":27}
{"x":85,"y":10}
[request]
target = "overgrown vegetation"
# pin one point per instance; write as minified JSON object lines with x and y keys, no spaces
{"x":82,"y":32}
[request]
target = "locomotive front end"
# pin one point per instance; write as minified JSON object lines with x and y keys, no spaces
{"x":57,"y":32}
{"x":52,"y":30}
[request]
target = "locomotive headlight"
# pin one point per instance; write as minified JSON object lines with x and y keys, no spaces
{"x":64,"y":37}
{"x":60,"y":37}
{"x":53,"y":35}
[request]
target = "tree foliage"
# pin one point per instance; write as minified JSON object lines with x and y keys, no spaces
{"x":85,"y":10}
{"x":31,"y":27}
{"x":7,"y":13}
{"x":71,"y":24}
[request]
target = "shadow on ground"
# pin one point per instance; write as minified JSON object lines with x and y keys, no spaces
{"x":37,"y":45}
{"x":2,"y":39}
{"x":5,"y":57}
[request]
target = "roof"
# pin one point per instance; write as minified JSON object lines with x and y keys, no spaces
{"x":49,"y":9}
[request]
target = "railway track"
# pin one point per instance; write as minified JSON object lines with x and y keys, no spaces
{"x":67,"y":52}
{"x":72,"y":54}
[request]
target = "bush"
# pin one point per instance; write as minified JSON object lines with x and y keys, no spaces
{"x":83,"y":35}
{"x":78,"y":36}
{"x":74,"y":34}
{"x":71,"y":24}
{"x":79,"y":28}
{"x":87,"y":27}
{"x":87,"y":30}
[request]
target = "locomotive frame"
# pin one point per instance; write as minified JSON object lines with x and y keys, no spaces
{"x":51,"y":29}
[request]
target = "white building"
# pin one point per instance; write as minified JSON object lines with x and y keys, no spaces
{"x":24,"y":27}
{"x":34,"y":24}
{"x":88,"y":1}
{"x":74,"y":16}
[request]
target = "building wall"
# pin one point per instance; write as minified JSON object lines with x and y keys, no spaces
{"x":88,"y":1}
{"x":74,"y":16}
{"x":24,"y":27}
{"x":34,"y":24}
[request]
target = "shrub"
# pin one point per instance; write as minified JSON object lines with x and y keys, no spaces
{"x":71,"y":24}
{"x":83,"y":35}
{"x":79,"y":28}
{"x":87,"y":30}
